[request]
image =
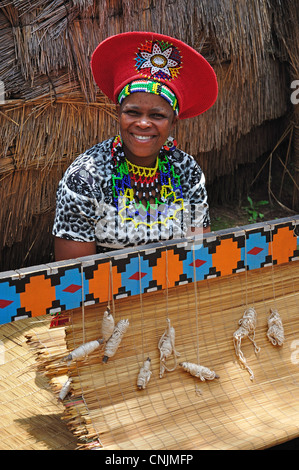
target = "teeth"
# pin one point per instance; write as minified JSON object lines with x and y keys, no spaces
{"x":142,"y":137}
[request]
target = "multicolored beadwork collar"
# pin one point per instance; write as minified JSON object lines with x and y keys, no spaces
{"x":130,"y":205}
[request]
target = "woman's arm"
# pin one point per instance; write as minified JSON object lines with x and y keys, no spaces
{"x":69,"y":249}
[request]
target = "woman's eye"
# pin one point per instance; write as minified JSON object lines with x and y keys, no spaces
{"x":131,"y":112}
{"x":158,"y":116}
{"x":135,"y":113}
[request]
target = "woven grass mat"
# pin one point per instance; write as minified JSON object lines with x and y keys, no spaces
{"x":106,"y":410}
{"x":30,"y":417}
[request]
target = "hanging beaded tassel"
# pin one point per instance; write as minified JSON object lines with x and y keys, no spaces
{"x":246,"y":330}
{"x":115,"y":339}
{"x":144,"y":374}
{"x":275,"y":331}
{"x":82,"y":351}
{"x":145,"y":371}
{"x":108,"y":325}
{"x":65,"y":390}
{"x":203,"y":373}
{"x":167,"y":348}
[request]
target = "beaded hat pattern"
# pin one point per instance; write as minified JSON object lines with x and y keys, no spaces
{"x":127,"y":57}
{"x":150,"y":86}
{"x":158,"y":60}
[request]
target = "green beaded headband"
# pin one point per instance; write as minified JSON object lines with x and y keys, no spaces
{"x":150,"y":86}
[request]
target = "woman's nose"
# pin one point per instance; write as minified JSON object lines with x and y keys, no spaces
{"x":144,"y":122}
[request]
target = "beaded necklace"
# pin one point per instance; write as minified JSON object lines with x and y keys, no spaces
{"x":145,"y":196}
{"x":144,"y":178}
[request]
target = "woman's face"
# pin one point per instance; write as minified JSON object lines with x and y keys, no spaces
{"x":146,"y":121}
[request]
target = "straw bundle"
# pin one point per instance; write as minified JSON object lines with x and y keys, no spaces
{"x":108,"y":410}
{"x":54,"y":111}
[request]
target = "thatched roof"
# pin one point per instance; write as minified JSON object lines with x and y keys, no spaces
{"x":54,"y":111}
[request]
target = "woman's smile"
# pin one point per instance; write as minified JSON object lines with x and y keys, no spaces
{"x":143,"y":138}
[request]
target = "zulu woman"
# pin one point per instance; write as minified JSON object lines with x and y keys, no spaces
{"x":138,"y":187}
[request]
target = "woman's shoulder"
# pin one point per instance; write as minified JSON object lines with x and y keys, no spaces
{"x":183,"y":161}
{"x":179,"y":156}
{"x":189,"y":171}
{"x":90,"y":169}
{"x":98,"y":155}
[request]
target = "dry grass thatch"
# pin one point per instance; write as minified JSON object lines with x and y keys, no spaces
{"x":289,"y":37}
{"x":54,"y":112}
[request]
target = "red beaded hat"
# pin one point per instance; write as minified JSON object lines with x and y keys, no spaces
{"x":127,"y":57}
